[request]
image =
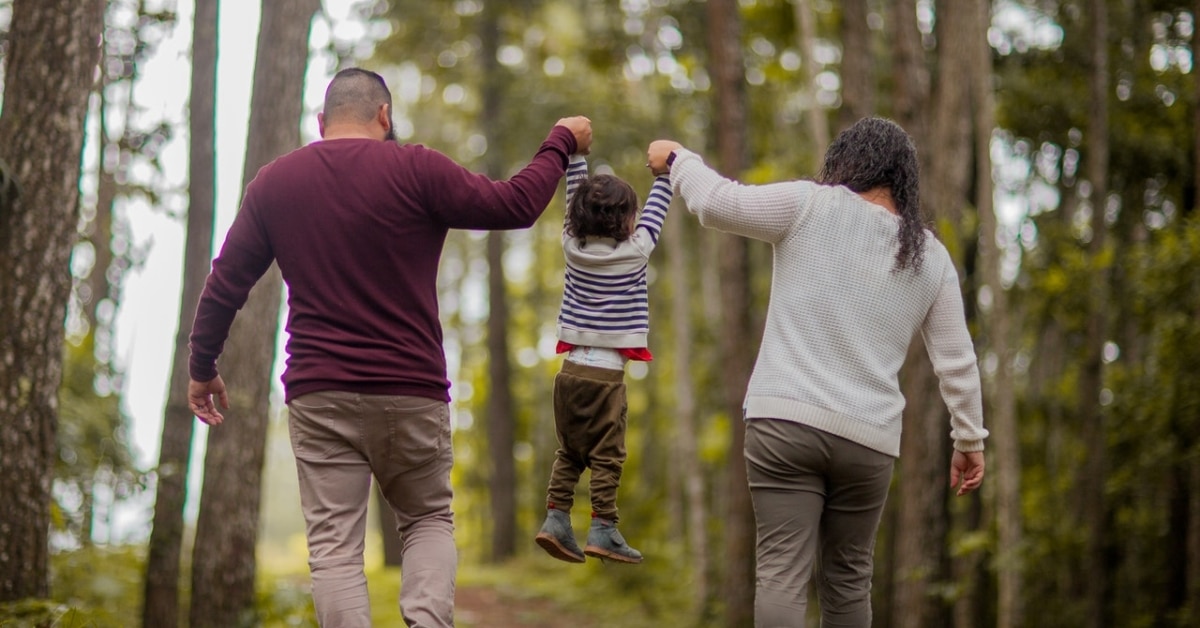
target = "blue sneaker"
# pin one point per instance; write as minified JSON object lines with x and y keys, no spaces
{"x":605,"y":541}
{"x":557,"y":537}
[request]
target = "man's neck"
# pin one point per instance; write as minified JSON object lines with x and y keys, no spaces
{"x":347,"y":131}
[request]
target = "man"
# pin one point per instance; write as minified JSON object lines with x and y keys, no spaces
{"x":357,"y":224}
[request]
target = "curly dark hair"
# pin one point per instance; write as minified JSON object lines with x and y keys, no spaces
{"x":601,"y":208}
{"x":877,"y":153}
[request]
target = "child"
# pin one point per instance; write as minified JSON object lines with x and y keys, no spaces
{"x":603,"y":322}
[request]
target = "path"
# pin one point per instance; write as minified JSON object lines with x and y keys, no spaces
{"x":490,"y":607}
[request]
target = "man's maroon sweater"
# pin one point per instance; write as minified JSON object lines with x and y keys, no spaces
{"x":357,"y":227}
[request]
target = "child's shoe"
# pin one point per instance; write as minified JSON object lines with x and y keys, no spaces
{"x":605,"y":541}
{"x":557,"y":538}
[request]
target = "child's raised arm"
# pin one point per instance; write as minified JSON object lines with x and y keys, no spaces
{"x":577,"y":172}
{"x":655,"y":211}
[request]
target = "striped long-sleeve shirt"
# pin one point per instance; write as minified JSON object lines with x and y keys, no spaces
{"x":605,"y":297}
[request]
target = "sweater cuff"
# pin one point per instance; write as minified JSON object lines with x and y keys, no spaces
{"x":968,"y":446}
{"x":562,"y":138}
{"x":202,"y":368}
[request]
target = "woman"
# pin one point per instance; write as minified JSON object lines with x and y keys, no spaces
{"x":855,"y":277}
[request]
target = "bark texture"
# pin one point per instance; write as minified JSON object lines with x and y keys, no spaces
{"x":223,"y":560}
{"x":53,"y":49}
{"x":738,"y":346}
{"x":161,"y":595}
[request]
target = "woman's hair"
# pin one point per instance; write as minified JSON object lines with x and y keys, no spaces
{"x":601,"y":208}
{"x":877,"y":153}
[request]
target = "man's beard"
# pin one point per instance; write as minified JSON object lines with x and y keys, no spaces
{"x":390,"y":136}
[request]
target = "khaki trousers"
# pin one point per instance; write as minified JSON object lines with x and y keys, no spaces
{"x":340,"y":440}
{"x":817,"y":499}
{"x":589,"y":417}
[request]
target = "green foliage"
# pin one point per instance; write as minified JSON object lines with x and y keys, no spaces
{"x":1150,"y":263}
{"x":94,"y":455}
{"x":104,"y":582}
{"x":45,"y":614}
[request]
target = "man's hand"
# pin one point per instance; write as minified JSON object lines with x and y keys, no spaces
{"x":200,"y":399}
{"x":966,"y":471}
{"x":581,"y":128}
{"x":656,"y":155}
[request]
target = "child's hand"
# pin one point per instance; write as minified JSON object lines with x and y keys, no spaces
{"x":581,"y":128}
{"x":657,"y":154}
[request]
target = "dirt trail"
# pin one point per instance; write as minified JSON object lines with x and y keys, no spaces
{"x":482,"y":606}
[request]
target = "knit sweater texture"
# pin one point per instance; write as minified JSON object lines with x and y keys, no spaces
{"x":605,"y":292}
{"x":841,"y":318}
{"x":357,"y":227}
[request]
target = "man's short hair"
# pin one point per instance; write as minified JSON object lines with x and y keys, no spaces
{"x":354,"y":95}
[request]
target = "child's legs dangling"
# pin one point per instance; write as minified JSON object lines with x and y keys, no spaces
{"x":607,"y":456}
{"x":569,"y":459}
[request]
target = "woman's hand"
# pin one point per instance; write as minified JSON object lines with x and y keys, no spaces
{"x":657,"y":154}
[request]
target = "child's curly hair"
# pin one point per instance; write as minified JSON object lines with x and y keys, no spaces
{"x":601,"y":208}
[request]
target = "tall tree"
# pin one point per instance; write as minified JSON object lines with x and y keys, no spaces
{"x":806,"y":38}
{"x":52,"y":51}
{"x":223,"y":560}
{"x":686,"y":442}
{"x":858,"y":84}
{"x":1001,"y":403}
{"x":501,"y":419}
{"x":161,"y":597}
{"x":1192,"y":544}
{"x":920,"y":550}
{"x":727,"y":68}
{"x":998,"y":329}
{"x":1093,"y":474}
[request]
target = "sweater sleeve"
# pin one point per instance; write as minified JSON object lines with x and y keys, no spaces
{"x":654,"y":213}
{"x":763,"y":212}
{"x":461,"y":199}
{"x":953,"y":356}
{"x":577,"y":173}
{"x":244,"y":257}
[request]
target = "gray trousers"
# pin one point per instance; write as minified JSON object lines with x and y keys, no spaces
{"x":340,"y":440}
{"x":817,"y":500}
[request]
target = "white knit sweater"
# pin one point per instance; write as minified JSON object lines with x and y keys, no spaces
{"x":840,"y":318}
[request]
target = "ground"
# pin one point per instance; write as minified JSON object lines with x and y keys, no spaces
{"x":484,"y":605}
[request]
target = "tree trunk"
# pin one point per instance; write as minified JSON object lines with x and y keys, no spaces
{"x":686,"y":445}
{"x":1093,"y":515}
{"x":858,"y":85}
{"x":737,"y":345}
{"x":53,"y":48}
{"x":1001,"y":402}
{"x":501,"y":420}
{"x":921,"y":553}
{"x":806,"y":40}
{"x":223,"y":560}
{"x":1193,"y":534}
{"x":910,"y":103}
{"x":101,"y":225}
{"x":161,"y":598}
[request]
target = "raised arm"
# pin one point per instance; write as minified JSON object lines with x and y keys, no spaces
{"x":762,"y":212}
{"x":465,"y":200}
{"x":577,"y":173}
{"x":654,"y":213}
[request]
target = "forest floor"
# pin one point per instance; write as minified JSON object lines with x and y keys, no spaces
{"x":495,"y":607}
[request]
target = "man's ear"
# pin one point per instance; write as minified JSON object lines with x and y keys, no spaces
{"x":321,"y":123}
{"x":384,"y":117}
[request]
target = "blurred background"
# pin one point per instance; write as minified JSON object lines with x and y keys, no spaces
{"x":1059,"y":146}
